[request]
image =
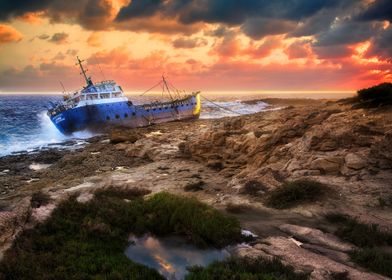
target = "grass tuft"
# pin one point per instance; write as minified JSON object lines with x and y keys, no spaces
{"x":293,"y":193}
{"x":360,"y":234}
{"x":39,"y":199}
{"x":374,"y":259}
{"x":369,"y":239}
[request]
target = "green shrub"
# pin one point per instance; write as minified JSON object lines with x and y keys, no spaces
{"x":374,"y":259}
{"x":87,"y":240}
{"x":294,"y":193}
{"x":244,"y":269}
{"x":377,"y":95}
{"x":202,"y":224}
{"x":360,"y":234}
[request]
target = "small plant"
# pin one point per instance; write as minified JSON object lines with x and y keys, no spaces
{"x":294,"y":193}
{"x":253,"y":188}
{"x":245,"y":268}
{"x":39,"y":199}
{"x":195,"y":185}
{"x":374,"y":259}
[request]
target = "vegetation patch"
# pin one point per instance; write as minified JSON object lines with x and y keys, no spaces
{"x":360,"y":234}
{"x":369,"y":239}
{"x":122,"y":193}
{"x":374,"y":259}
{"x":87,"y":240}
{"x":377,"y":95}
{"x":202,"y":224}
{"x":244,"y":269}
{"x":293,"y":193}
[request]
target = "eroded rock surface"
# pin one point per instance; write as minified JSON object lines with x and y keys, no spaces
{"x":232,"y":163}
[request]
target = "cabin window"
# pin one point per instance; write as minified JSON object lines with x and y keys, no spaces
{"x":117,"y":116}
{"x":108,"y":118}
{"x":133,"y":114}
{"x":125,"y":115}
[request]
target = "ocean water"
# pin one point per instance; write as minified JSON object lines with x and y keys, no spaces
{"x":25,"y":126}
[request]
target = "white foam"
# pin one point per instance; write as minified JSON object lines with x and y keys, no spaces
{"x":229,"y":109}
{"x":48,"y":134}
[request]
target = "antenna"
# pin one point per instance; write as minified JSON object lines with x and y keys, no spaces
{"x":62,"y":87}
{"x":88,"y":80}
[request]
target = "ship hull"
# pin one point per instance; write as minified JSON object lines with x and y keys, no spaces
{"x":101,"y":116}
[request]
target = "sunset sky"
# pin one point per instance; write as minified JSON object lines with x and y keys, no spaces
{"x":216,"y":45}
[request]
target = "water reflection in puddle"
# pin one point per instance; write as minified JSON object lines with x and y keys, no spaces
{"x":171,"y":255}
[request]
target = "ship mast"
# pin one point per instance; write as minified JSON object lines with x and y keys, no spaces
{"x":87,"y":79}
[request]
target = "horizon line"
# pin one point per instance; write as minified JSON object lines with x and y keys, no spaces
{"x":135,"y":92}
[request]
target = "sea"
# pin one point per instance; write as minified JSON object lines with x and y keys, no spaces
{"x":24,"y":125}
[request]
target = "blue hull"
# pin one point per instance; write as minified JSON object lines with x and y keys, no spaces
{"x":99,"y":117}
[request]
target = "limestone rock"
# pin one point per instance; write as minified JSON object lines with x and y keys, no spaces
{"x":327,"y":164}
{"x":315,"y":236}
{"x":354,"y":161}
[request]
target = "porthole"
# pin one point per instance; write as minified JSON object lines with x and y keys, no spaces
{"x":125,"y":115}
{"x":117,"y":116}
{"x":108,"y":118}
{"x":133,"y":114}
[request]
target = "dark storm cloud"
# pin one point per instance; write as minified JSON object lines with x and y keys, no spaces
{"x":225,"y":11}
{"x":348,"y":32}
{"x":258,"y":28}
{"x":11,"y":8}
{"x":140,"y":8}
{"x":378,"y":10}
{"x":382,"y":45}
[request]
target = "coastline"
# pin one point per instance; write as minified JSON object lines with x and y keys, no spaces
{"x":215,"y":159}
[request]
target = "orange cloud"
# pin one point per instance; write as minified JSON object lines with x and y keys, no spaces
{"x":94,"y":40}
{"x":32,"y":17}
{"x":9,"y":34}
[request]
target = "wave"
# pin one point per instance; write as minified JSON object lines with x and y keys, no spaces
{"x":45,"y":136}
{"x":220,"y":109}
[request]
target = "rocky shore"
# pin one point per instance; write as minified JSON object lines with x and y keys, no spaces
{"x":233,"y":164}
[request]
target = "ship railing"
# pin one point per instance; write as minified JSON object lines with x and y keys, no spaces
{"x":159,"y":105}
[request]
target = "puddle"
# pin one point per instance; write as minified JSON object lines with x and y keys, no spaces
{"x":171,"y":256}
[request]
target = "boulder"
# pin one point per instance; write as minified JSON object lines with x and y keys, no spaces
{"x":327,"y":165}
{"x":354,"y":161}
